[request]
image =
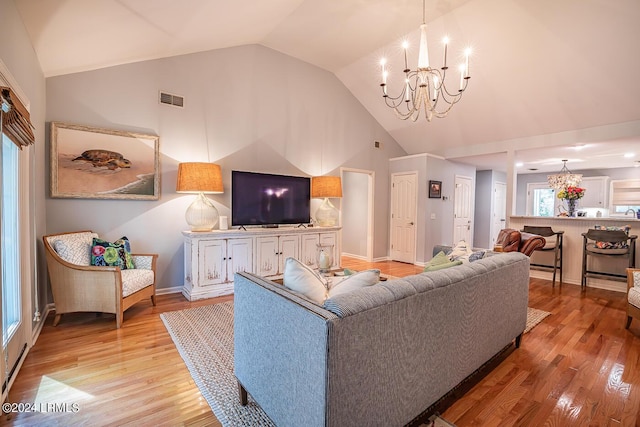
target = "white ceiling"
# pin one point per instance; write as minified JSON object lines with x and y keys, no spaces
{"x":546,"y":75}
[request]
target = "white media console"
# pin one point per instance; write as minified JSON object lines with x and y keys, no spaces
{"x":212,"y":258}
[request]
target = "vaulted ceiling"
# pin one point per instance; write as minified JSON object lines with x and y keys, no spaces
{"x":544,"y":73}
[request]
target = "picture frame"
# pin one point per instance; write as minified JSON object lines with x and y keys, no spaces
{"x":95,"y":163}
{"x":435,"y":189}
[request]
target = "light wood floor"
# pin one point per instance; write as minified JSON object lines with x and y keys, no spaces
{"x":578,"y":367}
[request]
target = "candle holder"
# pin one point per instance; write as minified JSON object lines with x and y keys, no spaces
{"x":324,"y":257}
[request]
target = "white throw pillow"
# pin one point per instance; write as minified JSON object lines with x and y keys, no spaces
{"x":300,"y":278}
{"x":355,"y":281}
{"x":460,"y":250}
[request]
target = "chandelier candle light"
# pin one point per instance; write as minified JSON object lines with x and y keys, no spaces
{"x":424,"y":88}
{"x":200,"y":178}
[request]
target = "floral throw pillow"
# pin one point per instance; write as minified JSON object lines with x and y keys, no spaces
{"x":116,"y":254}
{"x":612,"y":245}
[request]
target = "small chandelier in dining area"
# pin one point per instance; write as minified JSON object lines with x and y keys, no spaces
{"x":424,"y":89}
{"x":564,"y":179}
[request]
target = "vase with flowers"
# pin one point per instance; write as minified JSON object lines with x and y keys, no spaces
{"x":571,"y":195}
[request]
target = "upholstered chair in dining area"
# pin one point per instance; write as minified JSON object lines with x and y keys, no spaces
{"x":607,"y":244}
{"x":554,"y":240}
{"x":116,"y":280}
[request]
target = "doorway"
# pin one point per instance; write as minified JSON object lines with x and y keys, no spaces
{"x":357,"y":213}
{"x":463,"y":210}
{"x":404,"y":213}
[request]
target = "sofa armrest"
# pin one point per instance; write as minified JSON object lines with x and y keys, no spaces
{"x":531,"y":242}
{"x":509,"y":239}
{"x":281,"y":350}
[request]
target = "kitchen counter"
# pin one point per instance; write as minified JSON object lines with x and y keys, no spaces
{"x":572,"y":247}
{"x":622,"y":219}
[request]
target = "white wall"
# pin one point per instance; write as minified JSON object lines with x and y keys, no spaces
{"x":247,"y":108}
{"x":355,"y":203}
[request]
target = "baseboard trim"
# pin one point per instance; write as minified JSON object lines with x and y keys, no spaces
{"x":360,"y":257}
{"x":171,"y":290}
{"x":35,"y":333}
{"x":382,"y":259}
{"x":607,"y":285}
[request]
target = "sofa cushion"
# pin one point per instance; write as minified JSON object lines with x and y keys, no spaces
{"x":302,"y":279}
{"x":354,"y":281}
{"x":74,"y":248}
{"x":461,"y":249}
{"x":133,"y":280}
{"x":116,"y":254}
{"x":439,"y":262}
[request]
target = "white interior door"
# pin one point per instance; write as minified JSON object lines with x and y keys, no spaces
{"x":404,"y":197}
{"x":463,"y":210}
{"x":499,"y":210}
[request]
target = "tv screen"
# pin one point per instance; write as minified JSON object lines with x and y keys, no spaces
{"x":265,"y":199}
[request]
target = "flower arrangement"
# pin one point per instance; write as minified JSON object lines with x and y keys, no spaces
{"x":571,"y":193}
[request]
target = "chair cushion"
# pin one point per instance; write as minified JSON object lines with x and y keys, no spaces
{"x":634,"y":296}
{"x":116,"y":254}
{"x":593,"y":248}
{"x":74,"y":248}
{"x":133,"y":280}
{"x":612,"y":245}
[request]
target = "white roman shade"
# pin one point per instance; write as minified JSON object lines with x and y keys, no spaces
{"x":625,"y":192}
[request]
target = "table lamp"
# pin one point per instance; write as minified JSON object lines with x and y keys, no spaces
{"x":326,"y":186}
{"x":200,"y":178}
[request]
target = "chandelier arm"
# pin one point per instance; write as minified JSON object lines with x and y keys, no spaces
{"x":424,"y":88}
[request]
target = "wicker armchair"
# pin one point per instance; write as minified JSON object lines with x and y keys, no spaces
{"x":80,"y":287}
{"x":633,"y":295}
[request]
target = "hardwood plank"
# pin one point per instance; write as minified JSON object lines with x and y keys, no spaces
{"x":578,"y":367}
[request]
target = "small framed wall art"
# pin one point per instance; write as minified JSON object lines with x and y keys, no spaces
{"x":435,"y":189}
{"x":93,"y":163}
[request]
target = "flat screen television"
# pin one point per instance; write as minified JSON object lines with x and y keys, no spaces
{"x":267,"y":199}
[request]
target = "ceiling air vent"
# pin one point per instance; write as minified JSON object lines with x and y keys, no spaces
{"x":169,"y":99}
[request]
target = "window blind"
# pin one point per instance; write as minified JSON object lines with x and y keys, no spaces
{"x":16,"y":120}
{"x":626,"y":192}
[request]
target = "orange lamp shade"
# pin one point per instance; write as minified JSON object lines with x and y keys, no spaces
{"x":326,"y":186}
{"x":199,"y":177}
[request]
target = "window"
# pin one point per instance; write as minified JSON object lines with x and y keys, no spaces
{"x":625,"y":196}
{"x":541,"y":200}
{"x":10,"y":245}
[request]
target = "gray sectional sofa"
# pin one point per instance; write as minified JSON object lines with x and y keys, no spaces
{"x":380,"y":355}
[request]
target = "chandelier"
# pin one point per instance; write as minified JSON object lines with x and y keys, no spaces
{"x":424,"y":88}
{"x":564,"y":178}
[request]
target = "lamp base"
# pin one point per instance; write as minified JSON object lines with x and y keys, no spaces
{"x":201,"y":215}
{"x":327,"y":215}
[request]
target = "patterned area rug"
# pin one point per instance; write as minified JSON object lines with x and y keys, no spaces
{"x":534,"y":316}
{"x":204,"y":338}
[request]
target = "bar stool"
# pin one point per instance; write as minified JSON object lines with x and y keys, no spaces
{"x":552,"y":244}
{"x":608,"y":244}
